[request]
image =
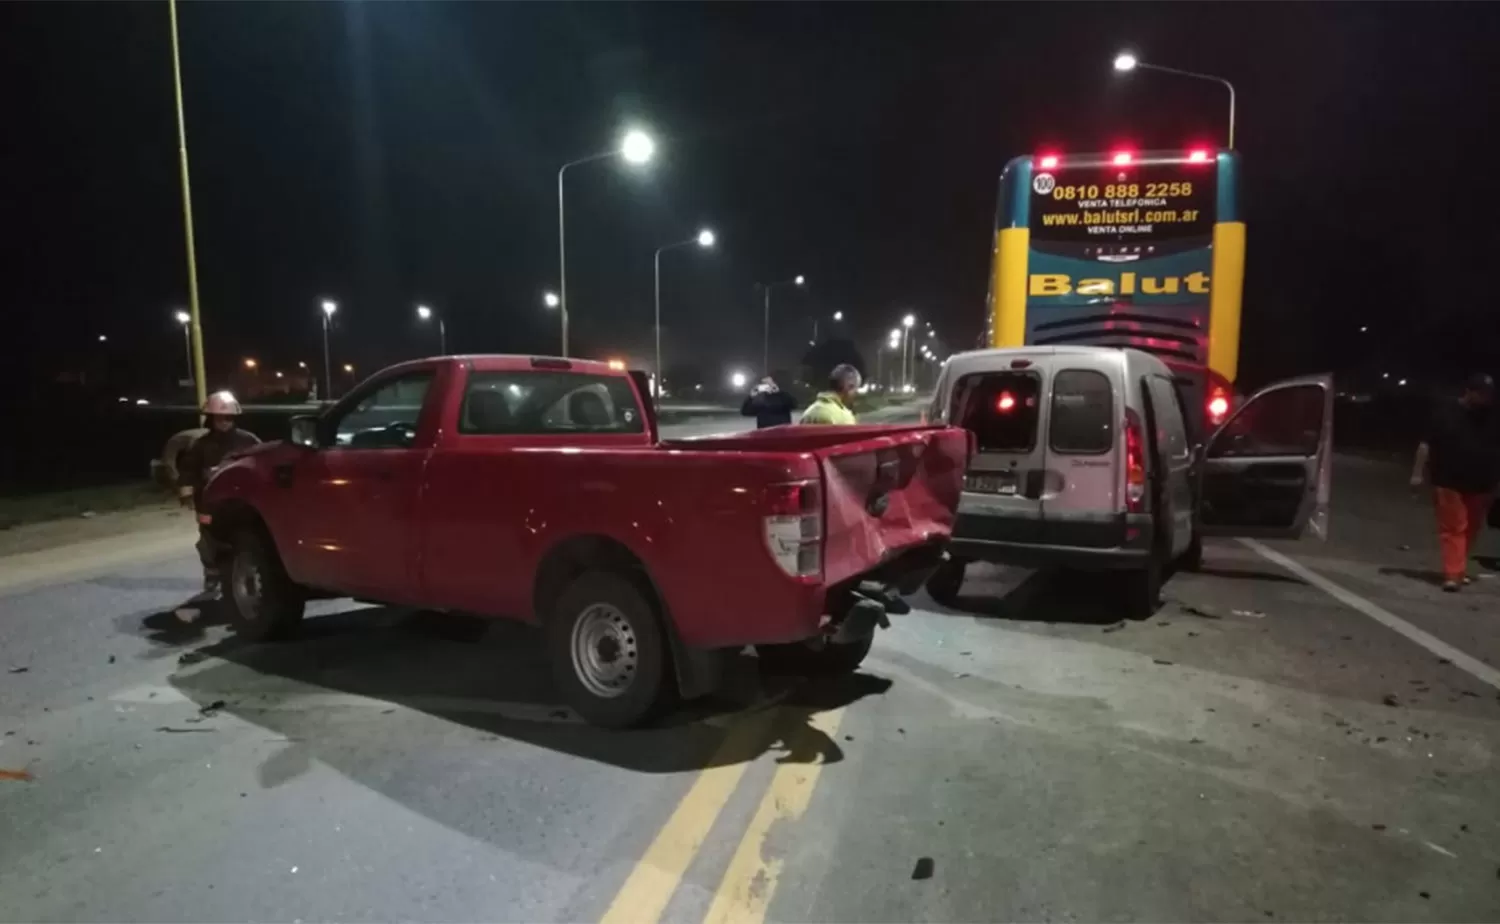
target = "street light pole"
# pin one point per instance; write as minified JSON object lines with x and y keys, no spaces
{"x":906,"y":326}
{"x":195,"y":316}
{"x":1126,"y":62}
{"x":704,"y":239}
{"x":329,"y":307}
{"x":637,"y":148}
{"x":765,"y":350}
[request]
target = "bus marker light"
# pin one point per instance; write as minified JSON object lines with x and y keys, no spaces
{"x":1049,"y":162}
{"x":1122,"y":159}
{"x":1198,"y":156}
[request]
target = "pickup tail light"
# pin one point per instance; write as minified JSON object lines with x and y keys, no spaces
{"x":1135,"y":463}
{"x":794,"y":528}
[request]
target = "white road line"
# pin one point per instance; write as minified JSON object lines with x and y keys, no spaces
{"x":1354,"y":601}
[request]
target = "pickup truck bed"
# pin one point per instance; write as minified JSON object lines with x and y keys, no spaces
{"x":488,"y":485}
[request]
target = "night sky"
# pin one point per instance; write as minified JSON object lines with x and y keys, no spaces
{"x":389,"y":153}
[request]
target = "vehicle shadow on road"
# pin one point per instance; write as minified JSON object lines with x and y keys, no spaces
{"x":492,"y":677}
{"x":1046,"y":596}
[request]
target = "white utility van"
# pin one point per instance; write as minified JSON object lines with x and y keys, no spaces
{"x":1085,"y":459}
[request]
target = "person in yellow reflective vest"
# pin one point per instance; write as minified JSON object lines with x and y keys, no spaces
{"x":835,"y":406}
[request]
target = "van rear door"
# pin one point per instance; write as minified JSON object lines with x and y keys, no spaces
{"x":1006,"y":411}
{"x":1266,"y":471}
{"x":1082,"y":485}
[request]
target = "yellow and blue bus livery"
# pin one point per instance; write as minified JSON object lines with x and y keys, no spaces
{"x":1123,"y":249}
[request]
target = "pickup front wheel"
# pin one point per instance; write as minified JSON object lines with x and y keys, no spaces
{"x":608,"y":653}
{"x":264,"y":601}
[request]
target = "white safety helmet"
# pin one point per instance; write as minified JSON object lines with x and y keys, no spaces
{"x":221,"y":404}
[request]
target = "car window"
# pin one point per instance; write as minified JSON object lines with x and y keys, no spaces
{"x":1171,"y":424}
{"x":1083,"y":412}
{"x":1284,"y":422}
{"x":387,"y":417}
{"x":1000,"y":409}
{"x":521,"y":402}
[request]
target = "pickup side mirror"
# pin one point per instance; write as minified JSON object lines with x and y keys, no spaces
{"x":305,"y":432}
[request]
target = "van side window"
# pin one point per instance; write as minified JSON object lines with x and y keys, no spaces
{"x":1083,"y":412}
{"x":1170,"y":423}
{"x":1000,"y":409}
{"x":1284,"y":422}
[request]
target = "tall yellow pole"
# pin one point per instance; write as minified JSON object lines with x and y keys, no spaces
{"x":200,"y":382}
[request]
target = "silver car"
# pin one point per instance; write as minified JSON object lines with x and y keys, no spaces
{"x":1085,"y":459}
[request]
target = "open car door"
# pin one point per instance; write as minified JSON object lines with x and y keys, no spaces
{"x":1265,"y":473}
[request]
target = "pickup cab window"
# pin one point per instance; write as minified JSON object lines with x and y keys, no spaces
{"x":386,"y":418}
{"x":519,"y":403}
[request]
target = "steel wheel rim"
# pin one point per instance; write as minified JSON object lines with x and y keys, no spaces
{"x":605,"y":652}
{"x":248,"y":587}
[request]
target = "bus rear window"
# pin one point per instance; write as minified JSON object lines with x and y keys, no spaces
{"x":1000,"y":409}
{"x":1082,"y":412}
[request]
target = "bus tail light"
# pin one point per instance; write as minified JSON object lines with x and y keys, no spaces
{"x":1218,"y":406}
{"x":1121,"y":159}
{"x":794,"y":528}
{"x":1048,"y":162}
{"x":1135,"y":463}
{"x":1198,"y":156}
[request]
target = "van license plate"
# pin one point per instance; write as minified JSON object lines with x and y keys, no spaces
{"x":991,"y":483}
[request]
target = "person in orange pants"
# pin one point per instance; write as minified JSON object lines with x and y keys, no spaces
{"x":1461,"y":454}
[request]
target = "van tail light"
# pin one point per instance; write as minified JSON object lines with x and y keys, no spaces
{"x":794,"y":528}
{"x":1217,"y":406}
{"x":1135,"y":463}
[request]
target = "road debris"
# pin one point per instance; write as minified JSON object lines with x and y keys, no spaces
{"x":192,"y":657}
{"x":1203,"y":611}
{"x":212,"y":708}
{"x":111,"y":659}
{"x":1425,"y":894}
{"x":923,"y":869}
{"x":1390,"y":700}
{"x":20,"y":776}
{"x":1195,"y":741}
{"x":1160,"y":661}
{"x":1249,"y":614}
{"x":182,"y":731}
{"x":1116,"y":627}
{"x":1378,"y":827}
{"x":960,"y":675}
{"x":20,"y":670}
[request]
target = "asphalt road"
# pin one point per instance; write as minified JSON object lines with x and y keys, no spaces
{"x":1311,"y":738}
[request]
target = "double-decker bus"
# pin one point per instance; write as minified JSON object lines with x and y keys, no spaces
{"x":1127,"y":249}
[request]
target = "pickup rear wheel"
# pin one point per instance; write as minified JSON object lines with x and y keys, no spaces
{"x":264,"y":602}
{"x":608,"y":651}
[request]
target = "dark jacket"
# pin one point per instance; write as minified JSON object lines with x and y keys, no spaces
{"x":207,"y":453}
{"x":769,"y":408}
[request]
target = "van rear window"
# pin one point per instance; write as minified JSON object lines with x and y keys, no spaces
{"x":1083,"y":412}
{"x":1000,"y":409}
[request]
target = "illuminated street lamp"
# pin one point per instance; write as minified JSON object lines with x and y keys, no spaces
{"x":329,"y":306}
{"x":637,"y":148}
{"x":1125,"y":62}
{"x":705,"y":241}
{"x":837,"y":316}
{"x":765,"y":355}
{"x":425,"y":313}
{"x":737,"y":380}
{"x":186,"y":320}
{"x":550,"y":299}
{"x":349,"y":368}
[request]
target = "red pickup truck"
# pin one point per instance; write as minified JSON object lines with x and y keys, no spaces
{"x":538,"y":489}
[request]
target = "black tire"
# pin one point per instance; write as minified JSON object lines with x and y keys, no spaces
{"x":608,"y":651}
{"x":946,"y":582}
{"x":1142,"y":590}
{"x":264,"y":604}
{"x":814,"y":658}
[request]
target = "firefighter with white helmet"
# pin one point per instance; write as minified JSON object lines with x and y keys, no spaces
{"x":222,"y":439}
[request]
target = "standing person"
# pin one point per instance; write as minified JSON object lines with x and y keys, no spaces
{"x":835,"y":406}
{"x":769,"y":405}
{"x":1461,"y":455}
{"x":207,"y":453}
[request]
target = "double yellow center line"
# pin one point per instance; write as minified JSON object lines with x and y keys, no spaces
{"x":744,"y":894}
